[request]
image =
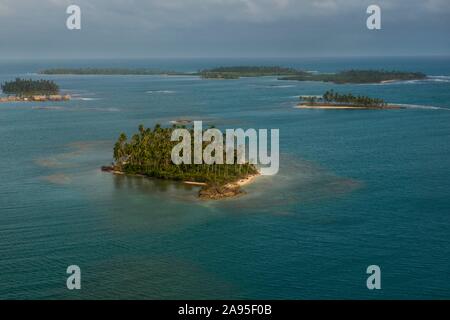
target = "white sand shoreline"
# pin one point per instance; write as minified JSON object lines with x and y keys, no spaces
{"x":330,"y":107}
{"x":243,"y":182}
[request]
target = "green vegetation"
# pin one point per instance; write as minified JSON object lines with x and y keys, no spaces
{"x":336,"y":99}
{"x":356,"y":76}
{"x":219,"y":75}
{"x":107,"y":71}
{"x":216,"y":73}
{"x":149,"y":153}
{"x":350,"y":76}
{"x":24,"y":87}
{"x":246,"y":71}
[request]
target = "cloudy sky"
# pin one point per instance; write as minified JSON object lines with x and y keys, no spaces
{"x":223,"y":28}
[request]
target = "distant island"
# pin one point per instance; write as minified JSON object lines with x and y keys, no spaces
{"x":357,"y":76}
{"x":350,"y":76}
{"x":110,"y":71}
{"x":334,"y":100}
{"x":215,"y":73}
{"x":148,"y":154}
{"x":246,"y":71}
{"x":236,"y":72}
{"x":31,"y":90}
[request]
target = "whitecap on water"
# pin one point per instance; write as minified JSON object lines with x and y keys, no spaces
{"x":160,"y":92}
{"x":428,"y":79}
{"x":416,"y":106}
{"x":86,"y":99}
{"x":281,"y":86}
{"x":439,"y":78}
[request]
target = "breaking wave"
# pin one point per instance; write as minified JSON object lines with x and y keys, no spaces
{"x":418,"y":106}
{"x":281,"y":86}
{"x":160,"y":92}
{"x":429,"y":79}
{"x":439,"y":78}
{"x":86,"y":99}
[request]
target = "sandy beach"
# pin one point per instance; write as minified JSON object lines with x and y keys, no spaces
{"x":343,"y":107}
{"x":239,"y":183}
{"x":242,"y":182}
{"x":192,"y":183}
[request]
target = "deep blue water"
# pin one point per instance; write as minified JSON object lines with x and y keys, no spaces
{"x":356,"y":188}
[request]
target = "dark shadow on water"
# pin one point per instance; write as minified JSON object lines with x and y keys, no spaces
{"x":150,"y":185}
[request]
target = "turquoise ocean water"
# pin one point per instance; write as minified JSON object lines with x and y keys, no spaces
{"x":355,"y":188}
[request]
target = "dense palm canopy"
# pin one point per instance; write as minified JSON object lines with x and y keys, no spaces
{"x":333,"y":98}
{"x":28,"y":87}
{"x":349,"y":99}
{"x":148,"y":152}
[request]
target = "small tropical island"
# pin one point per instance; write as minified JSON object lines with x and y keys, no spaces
{"x":333,"y":100}
{"x":356,"y":76}
{"x":148,"y":154}
{"x":31,"y":90}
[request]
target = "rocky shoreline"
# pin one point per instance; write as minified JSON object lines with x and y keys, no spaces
{"x":220,"y":192}
{"x":36,"y":98}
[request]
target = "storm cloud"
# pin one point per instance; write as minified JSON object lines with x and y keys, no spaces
{"x":223,"y":28}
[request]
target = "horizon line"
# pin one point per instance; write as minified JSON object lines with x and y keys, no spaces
{"x":229,"y":57}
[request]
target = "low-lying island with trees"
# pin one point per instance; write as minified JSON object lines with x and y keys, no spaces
{"x":111,"y":72}
{"x":334,"y":100}
{"x":148,"y":154}
{"x":237,"y":72}
{"x":31,"y":90}
{"x":283,"y":73}
{"x":230,"y":73}
{"x":357,"y":76}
